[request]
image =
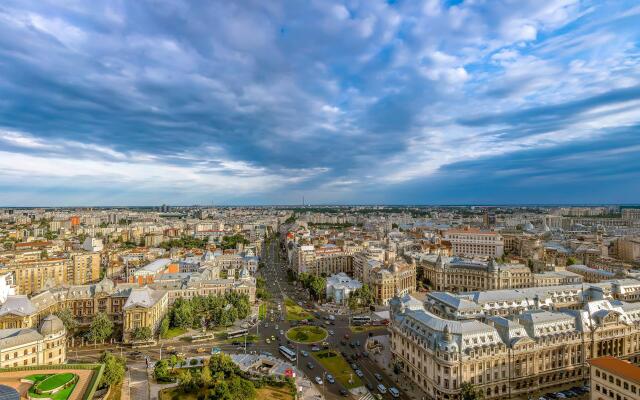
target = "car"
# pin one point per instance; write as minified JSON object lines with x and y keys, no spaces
{"x":331,"y":333}
{"x":346,"y":336}
{"x":342,"y":342}
{"x":170,"y":349}
{"x":357,"y":343}
{"x":318,"y":380}
{"x":359,"y":373}
{"x":352,"y":345}
{"x":378,"y":376}
{"x":344,"y":392}
{"x":273,"y":337}
{"x":281,"y":332}
{"x":304,"y":353}
{"x":330,"y":378}
{"x":200,"y":350}
{"x":309,"y":365}
{"x":370,"y":386}
{"x":276,"y":327}
{"x":365,"y":354}
{"x":332,"y":322}
{"x":267,"y":340}
{"x":315,"y":348}
{"x":180,"y":355}
{"x":382,"y":389}
{"x":394,"y":392}
{"x":354,"y":366}
{"x":560,"y":395}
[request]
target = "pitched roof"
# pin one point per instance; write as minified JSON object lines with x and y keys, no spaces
{"x":618,"y":367}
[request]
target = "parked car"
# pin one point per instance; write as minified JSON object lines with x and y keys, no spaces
{"x":354,"y":366}
{"x":201,"y":350}
{"x":315,"y":348}
{"x":318,"y":380}
{"x":309,"y":365}
{"x":344,"y":392}
{"x":378,"y":376}
{"x":304,"y":353}
{"x":394,"y":392}
{"x":330,"y":379}
{"x":359,"y":373}
{"x":370,"y":386}
{"x":382,"y":389}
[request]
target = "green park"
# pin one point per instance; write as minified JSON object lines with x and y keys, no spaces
{"x":307,"y":334}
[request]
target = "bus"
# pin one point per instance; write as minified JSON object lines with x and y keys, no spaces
{"x":288,"y":353}
{"x":238,"y":333}
{"x":361,"y":320}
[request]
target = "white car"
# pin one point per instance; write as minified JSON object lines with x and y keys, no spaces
{"x":318,"y":380}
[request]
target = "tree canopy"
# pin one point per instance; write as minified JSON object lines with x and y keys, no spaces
{"x":212,"y":310}
{"x":101,"y":328}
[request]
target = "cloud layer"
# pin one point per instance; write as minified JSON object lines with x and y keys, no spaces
{"x":149,"y":102}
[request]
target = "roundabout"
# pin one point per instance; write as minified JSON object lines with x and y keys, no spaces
{"x":307,"y":334}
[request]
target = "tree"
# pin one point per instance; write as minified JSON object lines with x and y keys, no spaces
{"x":186,"y":380}
{"x":161,"y":371}
{"x":101,"y":328}
{"x":164,"y":327}
{"x":205,"y":377}
{"x":470,"y":392}
{"x":142,"y":333}
{"x":181,"y":314}
{"x":222,"y":363}
{"x":571,"y":261}
{"x":113,"y":369}
{"x":66,"y":315}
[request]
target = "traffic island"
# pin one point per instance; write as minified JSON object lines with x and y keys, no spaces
{"x":307,"y":334}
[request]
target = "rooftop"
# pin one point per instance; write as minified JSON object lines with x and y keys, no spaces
{"x":618,"y":367}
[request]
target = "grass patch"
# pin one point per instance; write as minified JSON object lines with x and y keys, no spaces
{"x":270,"y":392}
{"x":366,"y":328}
{"x":338,"y":367}
{"x":262,"y":311}
{"x":173,"y":332}
{"x":307,"y":334}
{"x":295,"y":312}
{"x":55,"y":381}
{"x":49,"y":382}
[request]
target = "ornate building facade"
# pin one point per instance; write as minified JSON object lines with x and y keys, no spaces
{"x":514,"y":355}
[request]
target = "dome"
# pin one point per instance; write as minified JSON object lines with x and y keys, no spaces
{"x":51,"y":325}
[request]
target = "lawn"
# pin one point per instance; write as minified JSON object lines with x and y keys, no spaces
{"x":307,"y":334}
{"x":366,"y":328}
{"x":269,"y":392}
{"x":295,"y":312}
{"x":338,"y":367}
{"x":55,"y":382}
{"x":262,"y":311}
{"x":173,"y":332}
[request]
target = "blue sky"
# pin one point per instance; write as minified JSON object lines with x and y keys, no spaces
{"x":262,"y":102}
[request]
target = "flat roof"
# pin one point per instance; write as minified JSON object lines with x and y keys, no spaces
{"x":618,"y":367}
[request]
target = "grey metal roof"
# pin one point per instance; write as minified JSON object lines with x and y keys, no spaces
{"x":17,"y":305}
{"x":18,"y":336}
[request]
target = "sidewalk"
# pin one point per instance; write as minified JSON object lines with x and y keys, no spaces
{"x":383,"y":359}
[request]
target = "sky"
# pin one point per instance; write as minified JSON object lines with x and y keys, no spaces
{"x":342,"y":102}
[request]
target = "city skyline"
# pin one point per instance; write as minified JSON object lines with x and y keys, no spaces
{"x":377,"y":102}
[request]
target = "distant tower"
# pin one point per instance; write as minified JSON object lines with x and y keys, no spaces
{"x":485,"y":218}
{"x":302,"y":201}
